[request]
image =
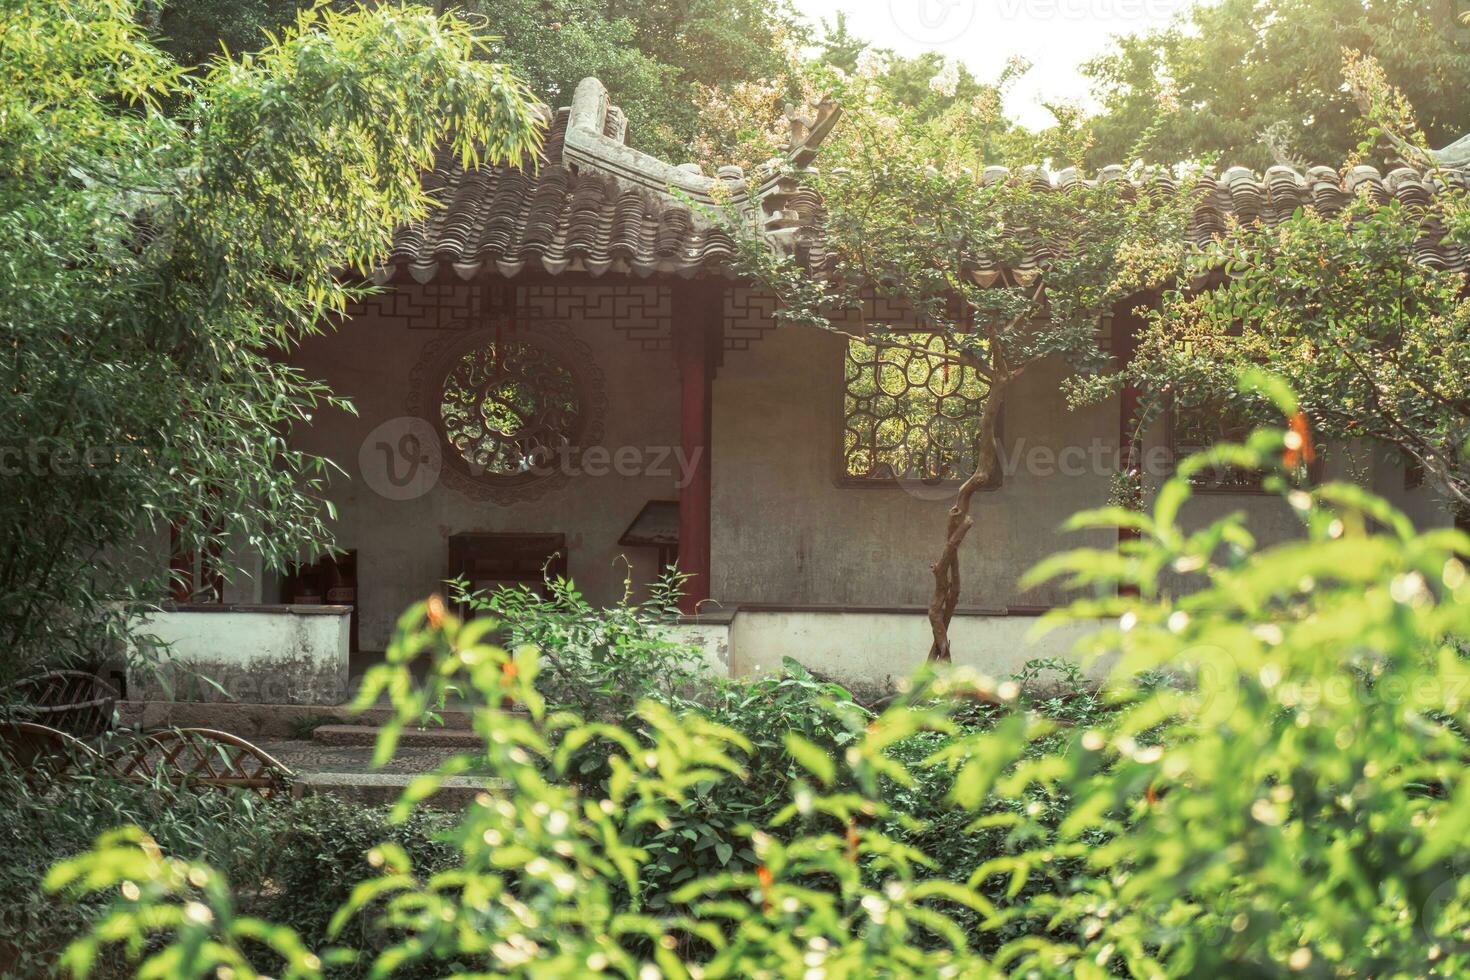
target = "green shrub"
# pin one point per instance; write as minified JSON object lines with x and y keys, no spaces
{"x":707,"y":832}
{"x":228,"y":831}
{"x":1294,"y":799}
{"x":293,"y":862}
{"x":319,"y":850}
{"x":600,"y":662}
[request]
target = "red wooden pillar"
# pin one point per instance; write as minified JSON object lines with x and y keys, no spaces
{"x":698,"y":308}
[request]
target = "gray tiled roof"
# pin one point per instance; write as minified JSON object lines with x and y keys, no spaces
{"x":595,"y":205}
{"x":592,"y":204}
{"x":1239,"y":196}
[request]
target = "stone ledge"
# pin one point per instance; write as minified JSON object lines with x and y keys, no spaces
{"x":255,"y":721}
{"x":294,"y":609}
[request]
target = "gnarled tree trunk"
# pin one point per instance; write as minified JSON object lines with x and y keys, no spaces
{"x":947,"y":569}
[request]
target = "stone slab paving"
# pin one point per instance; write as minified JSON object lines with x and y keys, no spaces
{"x":316,"y":757}
{"x":377,"y":789}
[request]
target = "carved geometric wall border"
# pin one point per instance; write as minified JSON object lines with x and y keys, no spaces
{"x":641,"y":313}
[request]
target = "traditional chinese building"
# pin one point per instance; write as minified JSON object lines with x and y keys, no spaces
{"x":563,"y":371}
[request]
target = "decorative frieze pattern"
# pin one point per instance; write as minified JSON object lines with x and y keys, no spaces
{"x":641,"y":314}
{"x":749,"y":316}
{"x":448,"y":306}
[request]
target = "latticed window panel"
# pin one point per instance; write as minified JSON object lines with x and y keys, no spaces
{"x":1195,"y":428}
{"x":910,"y":415}
{"x":508,"y":406}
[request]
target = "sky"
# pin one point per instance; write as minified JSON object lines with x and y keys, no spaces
{"x":1056,"y":36}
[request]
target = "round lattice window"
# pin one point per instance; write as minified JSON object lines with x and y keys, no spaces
{"x":513,"y":408}
{"x":509,"y":407}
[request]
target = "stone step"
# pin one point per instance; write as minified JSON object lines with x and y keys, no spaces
{"x":258,"y":721}
{"x":449,"y":738}
{"x":376,"y":788}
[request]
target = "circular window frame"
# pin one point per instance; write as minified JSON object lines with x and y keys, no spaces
{"x":443,"y":354}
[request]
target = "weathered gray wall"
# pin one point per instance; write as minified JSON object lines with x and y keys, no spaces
{"x":786,"y":532}
{"x":253,"y":654}
{"x":402,"y":545}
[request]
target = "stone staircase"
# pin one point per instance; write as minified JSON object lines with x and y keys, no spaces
{"x":330,"y":750}
{"x":337,"y":760}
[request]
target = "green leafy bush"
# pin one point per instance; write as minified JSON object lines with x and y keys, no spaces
{"x":290,"y":861}
{"x":600,"y":661}
{"x":36,"y":828}
{"x":1294,"y":798}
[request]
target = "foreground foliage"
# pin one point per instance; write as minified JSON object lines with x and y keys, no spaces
{"x":293,"y":862}
{"x":1296,"y":798}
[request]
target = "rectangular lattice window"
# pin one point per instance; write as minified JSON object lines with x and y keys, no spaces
{"x":910,"y":415}
{"x":1195,"y":428}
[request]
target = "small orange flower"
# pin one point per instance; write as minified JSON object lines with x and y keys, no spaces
{"x":852,"y":842}
{"x":1299,"y":448}
{"x":436,"y":612}
{"x":766,"y":879}
{"x":508,"y":671}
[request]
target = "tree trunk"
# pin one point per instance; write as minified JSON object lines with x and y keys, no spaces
{"x":947,"y":569}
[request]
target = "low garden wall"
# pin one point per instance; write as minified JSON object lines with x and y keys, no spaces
{"x":298,"y":655}
{"x":255,"y":654}
{"x":870,"y":650}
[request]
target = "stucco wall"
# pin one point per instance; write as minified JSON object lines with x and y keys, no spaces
{"x":875,"y":650}
{"x":277,"y":655}
{"x":871,"y":652}
{"x":402,"y":544}
{"x":785,"y":531}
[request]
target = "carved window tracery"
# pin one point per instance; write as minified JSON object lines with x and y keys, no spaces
{"x":508,"y":406}
{"x":908,"y":415}
{"x":513,"y":408}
